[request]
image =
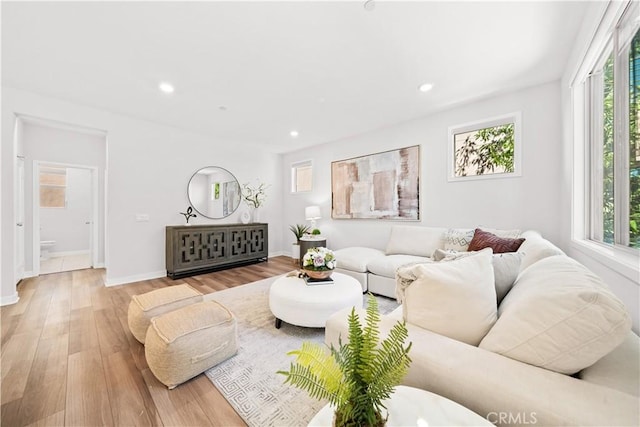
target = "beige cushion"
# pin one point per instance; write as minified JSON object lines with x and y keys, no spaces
{"x":506,"y":267}
{"x":145,"y":306}
{"x":620,"y":369}
{"x":558,"y":316}
{"x":356,"y":258}
{"x":387,"y":266}
{"x":535,"y":248}
{"x":456,"y":299}
{"x":186,"y":342}
{"x":415,"y":240}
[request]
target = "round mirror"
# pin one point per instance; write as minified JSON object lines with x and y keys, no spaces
{"x":214,"y":192}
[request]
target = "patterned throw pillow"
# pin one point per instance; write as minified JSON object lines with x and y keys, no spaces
{"x":484,"y":239}
{"x":457,"y":239}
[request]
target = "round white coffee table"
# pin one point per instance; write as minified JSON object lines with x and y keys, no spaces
{"x":293,"y":301}
{"x":410,"y":406}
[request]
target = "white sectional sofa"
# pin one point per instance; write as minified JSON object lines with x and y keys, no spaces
{"x":375,"y":269}
{"x":559,"y":349}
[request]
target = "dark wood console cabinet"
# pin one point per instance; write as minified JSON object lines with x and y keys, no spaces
{"x":196,"y":249}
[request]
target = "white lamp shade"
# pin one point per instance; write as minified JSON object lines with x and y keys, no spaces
{"x":312,"y":212}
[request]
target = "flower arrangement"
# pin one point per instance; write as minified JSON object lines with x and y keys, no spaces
{"x":254,"y":197}
{"x":319,"y":259}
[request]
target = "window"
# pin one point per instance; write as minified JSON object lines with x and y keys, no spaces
{"x":485,"y":149}
{"x":301,"y":177}
{"x":613,"y":113}
{"x":53,"y":187}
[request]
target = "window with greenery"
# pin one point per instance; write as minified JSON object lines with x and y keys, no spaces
{"x":53,"y":187}
{"x":301,"y":177}
{"x":486,"y":149}
{"x":614,"y":139}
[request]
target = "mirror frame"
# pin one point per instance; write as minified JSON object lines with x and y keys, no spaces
{"x":235,"y":208}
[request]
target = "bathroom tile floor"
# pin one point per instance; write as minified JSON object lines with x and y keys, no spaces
{"x":65,"y":263}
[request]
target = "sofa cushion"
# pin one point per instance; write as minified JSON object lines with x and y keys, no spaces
{"x":458,"y":239}
{"x":356,"y":258}
{"x":506,"y":267}
{"x":456,"y":299}
{"x":415,"y":240}
{"x":387,"y":266}
{"x":484,"y":239}
{"x":558,"y":316}
{"x":535,"y":248}
{"x":620,"y":369}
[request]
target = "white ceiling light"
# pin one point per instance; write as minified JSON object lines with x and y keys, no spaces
{"x":426,"y":87}
{"x":294,"y":134}
{"x":369,"y":5}
{"x":166,"y":87}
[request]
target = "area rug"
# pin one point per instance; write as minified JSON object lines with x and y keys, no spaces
{"x":248,"y":380}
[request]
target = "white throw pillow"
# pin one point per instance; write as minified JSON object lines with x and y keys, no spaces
{"x":415,"y":240}
{"x":558,"y":316}
{"x":456,"y":299}
{"x":458,"y":239}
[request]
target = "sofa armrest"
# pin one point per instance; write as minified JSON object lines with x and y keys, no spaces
{"x":503,"y":390}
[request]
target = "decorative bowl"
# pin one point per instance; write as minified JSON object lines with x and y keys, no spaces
{"x":314,"y":274}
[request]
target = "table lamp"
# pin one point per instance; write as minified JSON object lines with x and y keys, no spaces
{"x":312,"y":213}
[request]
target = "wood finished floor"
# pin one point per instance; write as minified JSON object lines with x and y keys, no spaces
{"x":68,"y":357}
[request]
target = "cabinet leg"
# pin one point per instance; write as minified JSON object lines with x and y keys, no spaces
{"x":278,"y":323}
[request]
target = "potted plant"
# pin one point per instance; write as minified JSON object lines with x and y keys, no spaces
{"x":359,"y":375}
{"x":299,"y":231}
{"x":254,"y":197}
{"x":319,"y":262}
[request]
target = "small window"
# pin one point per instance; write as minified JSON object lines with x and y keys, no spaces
{"x":301,"y":177}
{"x":53,"y":187}
{"x":485,"y":149}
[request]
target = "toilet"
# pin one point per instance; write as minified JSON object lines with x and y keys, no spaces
{"x":45,"y":248}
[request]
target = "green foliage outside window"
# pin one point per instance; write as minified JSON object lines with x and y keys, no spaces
{"x":488,"y":150}
{"x":634,"y":142}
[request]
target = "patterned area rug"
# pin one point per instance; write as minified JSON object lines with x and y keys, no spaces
{"x":249,"y":380}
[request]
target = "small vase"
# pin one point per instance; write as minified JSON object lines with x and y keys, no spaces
{"x":255,"y":215}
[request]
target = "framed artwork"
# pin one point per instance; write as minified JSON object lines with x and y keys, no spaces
{"x":377,"y":186}
{"x":485,"y":149}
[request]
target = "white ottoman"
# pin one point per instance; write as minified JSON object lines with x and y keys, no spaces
{"x":293,"y":301}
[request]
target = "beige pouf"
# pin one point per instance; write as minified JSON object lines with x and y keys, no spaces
{"x":144,"y":307}
{"x":186,"y":342}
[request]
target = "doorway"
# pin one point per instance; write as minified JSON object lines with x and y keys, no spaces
{"x":64,"y":217}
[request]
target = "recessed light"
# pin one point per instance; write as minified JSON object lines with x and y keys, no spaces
{"x":166,"y":87}
{"x":426,"y":87}
{"x":222,"y":108}
{"x":294,"y":134}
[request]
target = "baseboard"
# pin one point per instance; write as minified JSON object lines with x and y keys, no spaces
{"x":115,"y":281}
{"x":68,"y":253}
{"x":99,"y":265}
{"x":28,"y":274}
{"x":11,"y":299}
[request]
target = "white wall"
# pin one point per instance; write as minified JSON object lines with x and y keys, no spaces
{"x":148,"y":168}
{"x":531,"y":201}
{"x":41,"y":142}
{"x":623,"y":277}
{"x":68,"y":227}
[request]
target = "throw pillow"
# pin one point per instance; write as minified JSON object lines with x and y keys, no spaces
{"x":506,"y":267}
{"x":558,"y":316}
{"x":456,"y":299}
{"x":457,"y":239}
{"x":484,"y":239}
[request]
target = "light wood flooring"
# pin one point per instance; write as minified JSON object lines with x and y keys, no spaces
{"x":68,"y":357}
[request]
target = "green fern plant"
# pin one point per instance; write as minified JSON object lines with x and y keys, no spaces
{"x":356,"y":377}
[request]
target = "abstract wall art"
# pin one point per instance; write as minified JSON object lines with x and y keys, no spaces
{"x":377,"y":186}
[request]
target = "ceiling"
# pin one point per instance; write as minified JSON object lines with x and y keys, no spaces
{"x":251,"y":72}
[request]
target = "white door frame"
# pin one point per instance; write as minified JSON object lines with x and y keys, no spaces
{"x":19,"y":247}
{"x":95,"y":207}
